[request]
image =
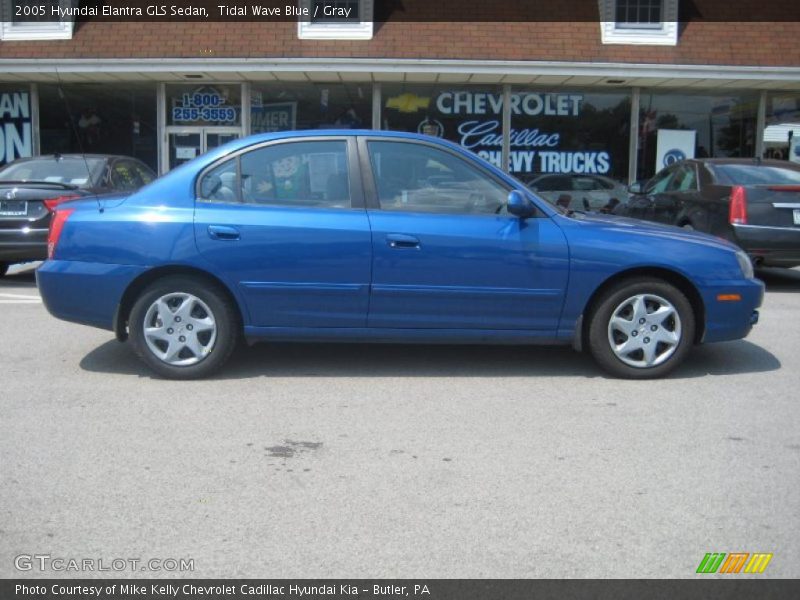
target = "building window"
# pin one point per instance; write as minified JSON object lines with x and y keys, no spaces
{"x":284,"y":106}
{"x":723,"y":124}
{"x":782,"y":127}
{"x":639,"y":14}
{"x":34,"y":20}
{"x":99,"y":118}
{"x":335,"y":20}
{"x":651,"y":22}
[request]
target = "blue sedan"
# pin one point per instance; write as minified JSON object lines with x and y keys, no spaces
{"x":382,"y":237}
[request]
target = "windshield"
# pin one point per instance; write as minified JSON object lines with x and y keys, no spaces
{"x":70,"y":171}
{"x":757,"y":174}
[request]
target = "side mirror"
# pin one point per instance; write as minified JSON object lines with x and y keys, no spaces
{"x":520,"y":205}
{"x":636,"y":188}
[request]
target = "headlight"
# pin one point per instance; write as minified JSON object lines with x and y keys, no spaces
{"x":745,"y":264}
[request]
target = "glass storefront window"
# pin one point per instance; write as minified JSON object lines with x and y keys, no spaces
{"x":724,"y":124}
{"x":204,"y":105}
{"x":16,"y":129}
{"x":286,"y":106}
{"x":570,"y":132}
{"x":99,"y":118}
{"x":467,"y":115}
{"x":782,"y":134}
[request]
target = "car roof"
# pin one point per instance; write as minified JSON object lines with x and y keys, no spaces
{"x":73,"y":157}
{"x":260,"y":138}
{"x":278,"y":135}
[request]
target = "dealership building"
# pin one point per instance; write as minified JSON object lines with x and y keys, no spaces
{"x":620,"y":91}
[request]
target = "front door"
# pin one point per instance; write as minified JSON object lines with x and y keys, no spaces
{"x":446,"y":254}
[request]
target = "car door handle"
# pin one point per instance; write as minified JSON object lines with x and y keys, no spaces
{"x":401,"y":240}
{"x":223,"y":232}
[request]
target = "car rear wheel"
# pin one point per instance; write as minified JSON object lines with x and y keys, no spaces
{"x":183,"y":327}
{"x":641,"y":329}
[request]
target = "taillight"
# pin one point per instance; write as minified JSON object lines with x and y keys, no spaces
{"x":51,"y":203}
{"x":738,"y":208}
{"x":56,"y":226}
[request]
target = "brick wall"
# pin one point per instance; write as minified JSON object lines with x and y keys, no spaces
{"x":743,"y":43}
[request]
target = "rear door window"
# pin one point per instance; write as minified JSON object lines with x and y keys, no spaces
{"x":757,"y":175}
{"x":294,"y":174}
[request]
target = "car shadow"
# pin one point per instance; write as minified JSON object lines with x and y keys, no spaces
{"x":780,"y":280}
{"x":403,"y":360}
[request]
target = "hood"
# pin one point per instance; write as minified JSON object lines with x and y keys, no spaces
{"x":639,"y":228}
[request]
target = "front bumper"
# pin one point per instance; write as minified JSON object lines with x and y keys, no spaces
{"x":770,"y":246}
{"x":728,"y":319}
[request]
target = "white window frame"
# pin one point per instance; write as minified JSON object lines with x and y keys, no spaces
{"x":307,"y":30}
{"x":665,"y":34}
{"x":33,"y":30}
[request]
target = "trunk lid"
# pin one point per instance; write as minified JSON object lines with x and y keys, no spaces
{"x":773,"y":205}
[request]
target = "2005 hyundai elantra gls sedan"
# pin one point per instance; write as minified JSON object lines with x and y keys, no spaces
{"x":382,"y":237}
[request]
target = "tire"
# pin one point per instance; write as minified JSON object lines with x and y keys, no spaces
{"x":627,"y":350}
{"x":193,"y":327}
{"x":3,"y":269}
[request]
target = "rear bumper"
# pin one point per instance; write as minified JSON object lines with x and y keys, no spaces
{"x":82,"y":292}
{"x":727,"y":319}
{"x":18,"y":245}
{"x":770,"y":246}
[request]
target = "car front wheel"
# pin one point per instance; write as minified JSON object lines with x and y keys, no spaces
{"x":641,"y":329}
{"x":183,"y":328}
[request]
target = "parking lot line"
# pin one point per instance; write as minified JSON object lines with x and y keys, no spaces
{"x":19,"y":299}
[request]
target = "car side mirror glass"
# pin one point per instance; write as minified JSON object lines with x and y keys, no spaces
{"x":520,"y":205}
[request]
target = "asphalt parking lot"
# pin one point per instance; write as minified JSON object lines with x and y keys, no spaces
{"x":397,"y":461}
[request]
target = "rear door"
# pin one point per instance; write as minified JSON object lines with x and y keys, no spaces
{"x":446,"y":254}
{"x":285,"y":223}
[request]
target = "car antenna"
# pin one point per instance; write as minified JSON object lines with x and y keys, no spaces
{"x":75,"y":131}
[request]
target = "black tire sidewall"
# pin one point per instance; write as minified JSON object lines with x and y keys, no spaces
{"x":225,"y":315}
{"x":598,"y":327}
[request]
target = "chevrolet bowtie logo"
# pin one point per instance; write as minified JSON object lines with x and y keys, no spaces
{"x":408,"y":103}
{"x":715,"y":561}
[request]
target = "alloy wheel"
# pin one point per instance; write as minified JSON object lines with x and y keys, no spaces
{"x":180,"y":329}
{"x":644,"y":330}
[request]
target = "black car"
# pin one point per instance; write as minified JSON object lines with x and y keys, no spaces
{"x":31,"y":187}
{"x":753,"y":203}
{"x":578,"y":191}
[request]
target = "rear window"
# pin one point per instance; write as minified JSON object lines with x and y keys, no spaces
{"x":756,"y":174}
{"x":65,"y":170}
